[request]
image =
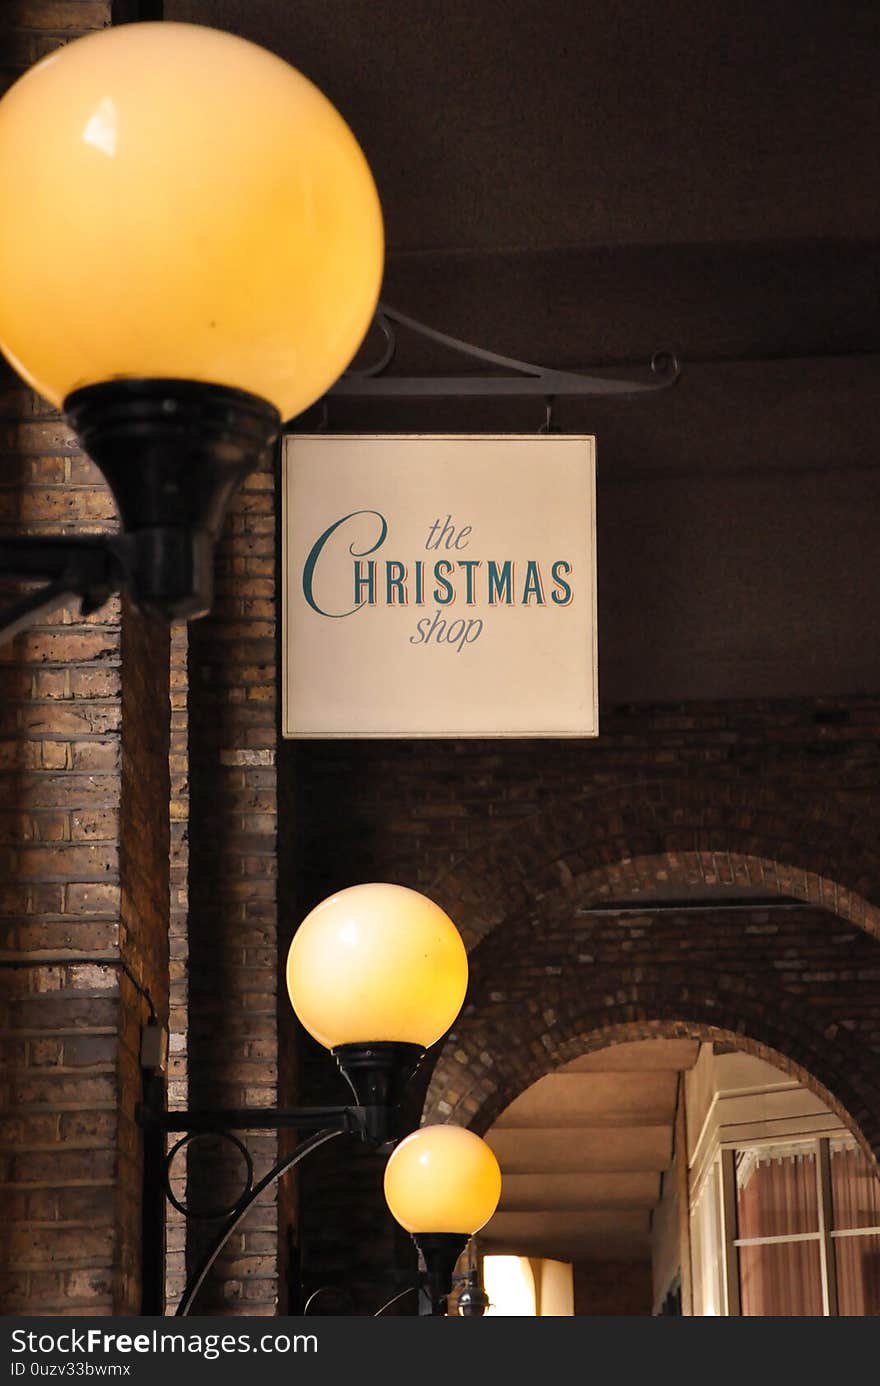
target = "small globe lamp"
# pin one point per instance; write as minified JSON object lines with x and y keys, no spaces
{"x":377,"y":973}
{"x":442,"y":1184}
{"x":191,"y":252}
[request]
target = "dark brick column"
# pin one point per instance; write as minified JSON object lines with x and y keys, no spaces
{"x":231,"y":1053}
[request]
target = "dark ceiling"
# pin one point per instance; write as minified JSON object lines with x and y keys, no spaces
{"x":584,"y":184}
{"x":516,"y":125}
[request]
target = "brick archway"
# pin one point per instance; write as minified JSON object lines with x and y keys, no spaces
{"x":511,"y":1035}
{"x":807,"y":845}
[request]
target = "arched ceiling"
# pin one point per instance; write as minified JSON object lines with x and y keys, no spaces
{"x":583,"y":1152}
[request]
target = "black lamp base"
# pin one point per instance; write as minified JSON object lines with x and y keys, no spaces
{"x":440,"y":1251}
{"x":173,"y":453}
{"x":377,"y":1075}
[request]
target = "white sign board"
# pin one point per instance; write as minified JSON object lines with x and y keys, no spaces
{"x":439,"y":586}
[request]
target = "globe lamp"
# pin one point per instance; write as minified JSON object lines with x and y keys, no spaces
{"x":190,"y":254}
{"x":442,"y":1184}
{"x":377,"y":973}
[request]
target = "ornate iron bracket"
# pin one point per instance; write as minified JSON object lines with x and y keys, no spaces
{"x":321,"y":1124}
{"x":524,"y":378}
{"x":376,"y":1073}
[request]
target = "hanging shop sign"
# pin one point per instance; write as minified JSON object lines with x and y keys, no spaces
{"x":439,"y":586}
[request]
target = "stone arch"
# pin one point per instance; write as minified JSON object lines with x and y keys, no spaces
{"x":803,"y":843}
{"x":493,"y":1056}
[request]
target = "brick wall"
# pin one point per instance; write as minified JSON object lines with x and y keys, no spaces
{"x":29,"y":29}
{"x":84,"y":885}
{"x":778,"y":795}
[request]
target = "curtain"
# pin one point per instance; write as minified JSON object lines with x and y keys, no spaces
{"x":855,"y":1189}
{"x":782,"y":1280}
{"x":855,"y":1192}
{"x":777,"y":1196}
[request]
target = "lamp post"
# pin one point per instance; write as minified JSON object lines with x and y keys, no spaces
{"x":215,"y":268}
{"x":376,"y":973}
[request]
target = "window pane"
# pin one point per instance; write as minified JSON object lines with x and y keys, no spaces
{"x":855,"y":1188}
{"x":776,"y":1194}
{"x":858,"y":1275}
{"x":781,"y":1280}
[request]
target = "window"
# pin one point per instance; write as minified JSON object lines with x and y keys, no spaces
{"x":778,"y":1238}
{"x":788,"y":1230}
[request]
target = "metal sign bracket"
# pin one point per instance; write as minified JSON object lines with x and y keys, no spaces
{"x":523,"y":378}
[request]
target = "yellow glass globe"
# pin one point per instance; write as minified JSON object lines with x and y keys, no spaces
{"x":377,"y":962}
{"x":442,"y":1179}
{"x":180,"y":203}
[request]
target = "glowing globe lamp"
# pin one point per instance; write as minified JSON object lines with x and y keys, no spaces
{"x":377,"y":973}
{"x":190,"y":207}
{"x":442,"y":1184}
{"x":191,"y":251}
{"x":442,"y":1179}
{"x":377,"y":962}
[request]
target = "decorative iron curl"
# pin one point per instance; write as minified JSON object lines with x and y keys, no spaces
{"x":223,"y":1210}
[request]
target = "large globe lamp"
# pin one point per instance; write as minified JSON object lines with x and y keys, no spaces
{"x":191,"y":252}
{"x":377,"y":973}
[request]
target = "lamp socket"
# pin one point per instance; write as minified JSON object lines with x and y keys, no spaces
{"x":154,"y":1047}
